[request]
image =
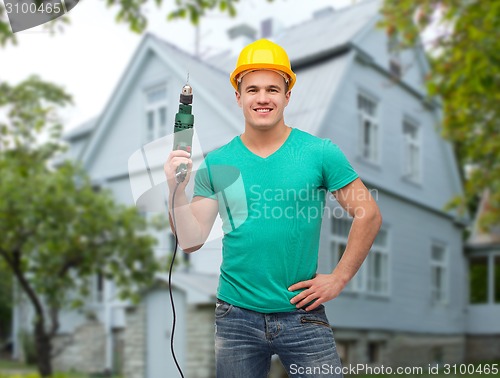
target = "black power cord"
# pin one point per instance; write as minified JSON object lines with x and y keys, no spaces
{"x":170,"y":285}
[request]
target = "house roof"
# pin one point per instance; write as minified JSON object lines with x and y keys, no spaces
{"x":205,"y":79}
{"x":309,"y":42}
{"x":313,"y":93}
{"x":82,"y":130}
{"x":321,"y":36}
{"x":480,"y":237}
{"x":213,"y":85}
{"x":304,"y":42}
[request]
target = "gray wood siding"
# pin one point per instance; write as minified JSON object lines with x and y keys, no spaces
{"x":375,"y":43}
{"x":412,"y":212}
{"x":159,"y":361}
{"x":408,"y":307}
{"x":126,"y":131}
{"x":439,"y":178}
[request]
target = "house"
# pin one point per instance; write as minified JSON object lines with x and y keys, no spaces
{"x":408,"y":304}
{"x":483,"y":311}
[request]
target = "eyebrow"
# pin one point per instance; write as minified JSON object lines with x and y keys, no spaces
{"x":267,"y":87}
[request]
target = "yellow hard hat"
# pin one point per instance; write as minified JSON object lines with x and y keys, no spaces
{"x":263,"y":55}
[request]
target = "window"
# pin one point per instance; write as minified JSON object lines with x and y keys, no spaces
{"x":344,"y":349}
{"x":378,"y":266}
{"x":338,"y":248}
{"x":98,"y":288}
{"x":368,"y":128}
{"x":437,"y":355}
{"x":438,"y":273}
{"x":340,"y":232}
{"x":497,"y":279}
{"x":341,"y":227}
{"x":484,"y":279}
{"x":375,"y":351}
{"x":478,"y":280}
{"x":411,"y":151}
{"x":373,"y":276}
{"x":156,"y":113}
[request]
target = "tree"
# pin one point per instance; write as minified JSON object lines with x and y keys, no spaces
{"x":133,"y":13}
{"x":57,"y":231}
{"x":465,"y":75}
{"x":5,"y":302}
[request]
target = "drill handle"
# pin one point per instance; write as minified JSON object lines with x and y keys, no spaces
{"x":182,"y":141}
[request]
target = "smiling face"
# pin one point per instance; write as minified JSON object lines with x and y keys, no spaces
{"x":263,"y":99}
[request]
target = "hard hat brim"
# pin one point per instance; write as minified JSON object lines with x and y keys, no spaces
{"x":261,"y":66}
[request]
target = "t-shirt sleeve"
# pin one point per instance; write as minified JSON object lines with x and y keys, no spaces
{"x":337,"y":171}
{"x":203,"y":185}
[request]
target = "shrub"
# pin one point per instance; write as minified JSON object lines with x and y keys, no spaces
{"x":28,"y":345}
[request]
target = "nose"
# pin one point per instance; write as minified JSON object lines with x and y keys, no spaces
{"x":262,"y":97}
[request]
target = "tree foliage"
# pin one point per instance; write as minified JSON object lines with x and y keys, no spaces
{"x":465,"y":71}
{"x":465,"y":75}
{"x":58,"y":233}
{"x":134,"y":14}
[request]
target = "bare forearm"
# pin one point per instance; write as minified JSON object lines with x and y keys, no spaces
{"x":185,"y":225}
{"x":356,"y":199}
{"x":363,"y":232}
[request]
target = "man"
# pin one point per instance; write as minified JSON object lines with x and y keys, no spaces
{"x":270,"y":299}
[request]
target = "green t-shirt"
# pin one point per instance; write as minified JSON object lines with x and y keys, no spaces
{"x":271,"y":209}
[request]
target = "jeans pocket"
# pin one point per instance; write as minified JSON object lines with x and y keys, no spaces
{"x":222,"y":308}
{"x":316,"y":316}
{"x":314,"y":320}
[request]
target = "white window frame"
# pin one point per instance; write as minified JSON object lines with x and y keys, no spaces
{"x":355,"y":285}
{"x":155,"y":112}
{"x":490,"y":279}
{"x":363,"y":280}
{"x":489,"y":288}
{"x":370,"y":151}
{"x":378,"y":285}
{"x":412,"y":152}
{"x":98,"y":284}
{"x":439,"y":295}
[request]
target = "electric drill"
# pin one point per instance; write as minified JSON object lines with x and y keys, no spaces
{"x":183,"y":128}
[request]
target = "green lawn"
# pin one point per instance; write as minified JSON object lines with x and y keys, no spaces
{"x":482,"y":370}
{"x":12,"y":365}
{"x":10,"y":369}
{"x":464,"y":370}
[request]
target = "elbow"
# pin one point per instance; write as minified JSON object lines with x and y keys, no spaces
{"x":377,"y":218}
{"x":192,"y":245}
{"x":189,"y":250}
{"x":372,"y":216}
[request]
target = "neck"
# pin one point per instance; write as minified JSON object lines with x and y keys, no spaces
{"x":265,"y":142}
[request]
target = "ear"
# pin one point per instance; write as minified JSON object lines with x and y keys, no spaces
{"x":238,"y":98}
{"x":287,"y":97}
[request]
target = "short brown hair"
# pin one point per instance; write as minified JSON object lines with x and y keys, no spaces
{"x":287,"y":85}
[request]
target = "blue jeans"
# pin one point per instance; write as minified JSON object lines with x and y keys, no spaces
{"x":245,"y":341}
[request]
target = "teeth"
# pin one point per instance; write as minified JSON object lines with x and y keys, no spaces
{"x":263,"y":110}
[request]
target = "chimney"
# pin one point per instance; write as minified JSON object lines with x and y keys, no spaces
{"x":323,"y":12}
{"x":269,"y":28}
{"x":240,"y":36}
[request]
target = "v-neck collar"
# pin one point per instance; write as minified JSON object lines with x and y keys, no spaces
{"x":258,"y":157}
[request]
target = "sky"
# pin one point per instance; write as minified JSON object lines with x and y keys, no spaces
{"x":89,"y":57}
